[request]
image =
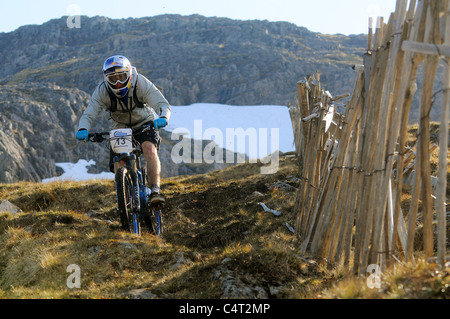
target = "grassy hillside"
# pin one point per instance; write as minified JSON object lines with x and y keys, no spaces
{"x":218,"y":243}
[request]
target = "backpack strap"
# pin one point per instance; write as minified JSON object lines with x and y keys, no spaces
{"x":136,"y":101}
{"x":112,"y":98}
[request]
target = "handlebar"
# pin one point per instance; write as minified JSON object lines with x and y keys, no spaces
{"x":99,"y":137}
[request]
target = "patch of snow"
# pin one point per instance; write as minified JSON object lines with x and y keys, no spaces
{"x":78,"y":172}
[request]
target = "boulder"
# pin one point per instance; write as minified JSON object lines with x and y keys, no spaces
{"x":7,"y":206}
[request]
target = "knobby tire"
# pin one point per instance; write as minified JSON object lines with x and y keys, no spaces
{"x":124,"y":191}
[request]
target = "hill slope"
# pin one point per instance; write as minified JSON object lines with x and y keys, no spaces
{"x":219,"y":243}
{"x":215,"y":233}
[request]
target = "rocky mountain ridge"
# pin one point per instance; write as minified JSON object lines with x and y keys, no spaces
{"x":193,"y":58}
{"x":49,"y":72}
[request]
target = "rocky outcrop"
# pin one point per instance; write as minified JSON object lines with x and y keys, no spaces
{"x":8,"y":207}
{"x":36,"y":121}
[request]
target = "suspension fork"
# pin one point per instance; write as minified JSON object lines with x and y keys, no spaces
{"x":130,"y":163}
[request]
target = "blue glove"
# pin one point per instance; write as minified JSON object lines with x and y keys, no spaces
{"x":82,"y":135}
{"x":160,"y":123}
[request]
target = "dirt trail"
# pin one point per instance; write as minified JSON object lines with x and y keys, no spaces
{"x":219,"y":242}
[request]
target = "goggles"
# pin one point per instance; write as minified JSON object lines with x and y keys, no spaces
{"x":115,"y":78}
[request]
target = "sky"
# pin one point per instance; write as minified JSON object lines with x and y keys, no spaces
{"x":324,"y":16}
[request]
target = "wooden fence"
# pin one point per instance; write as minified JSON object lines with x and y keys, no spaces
{"x":353,"y":164}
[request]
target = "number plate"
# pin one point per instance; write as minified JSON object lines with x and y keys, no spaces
{"x":121,"y":140}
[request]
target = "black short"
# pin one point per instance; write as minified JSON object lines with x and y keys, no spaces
{"x":150,"y":136}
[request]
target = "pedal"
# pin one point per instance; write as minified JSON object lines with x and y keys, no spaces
{"x":157,"y":201}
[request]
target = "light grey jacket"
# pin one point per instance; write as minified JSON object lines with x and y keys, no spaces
{"x":124,"y":117}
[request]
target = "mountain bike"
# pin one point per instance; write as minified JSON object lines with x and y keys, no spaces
{"x":130,"y":180}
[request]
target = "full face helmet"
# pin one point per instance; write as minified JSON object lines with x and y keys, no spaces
{"x":117,"y":71}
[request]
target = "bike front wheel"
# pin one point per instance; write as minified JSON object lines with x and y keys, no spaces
{"x":124,"y":190}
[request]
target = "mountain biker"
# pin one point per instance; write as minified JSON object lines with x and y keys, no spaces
{"x":130,"y":98}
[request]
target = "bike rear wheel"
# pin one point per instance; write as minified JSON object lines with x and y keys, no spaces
{"x":124,"y":190}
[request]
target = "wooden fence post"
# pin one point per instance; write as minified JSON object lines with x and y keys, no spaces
{"x":353,"y":175}
{"x":441,"y":188}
